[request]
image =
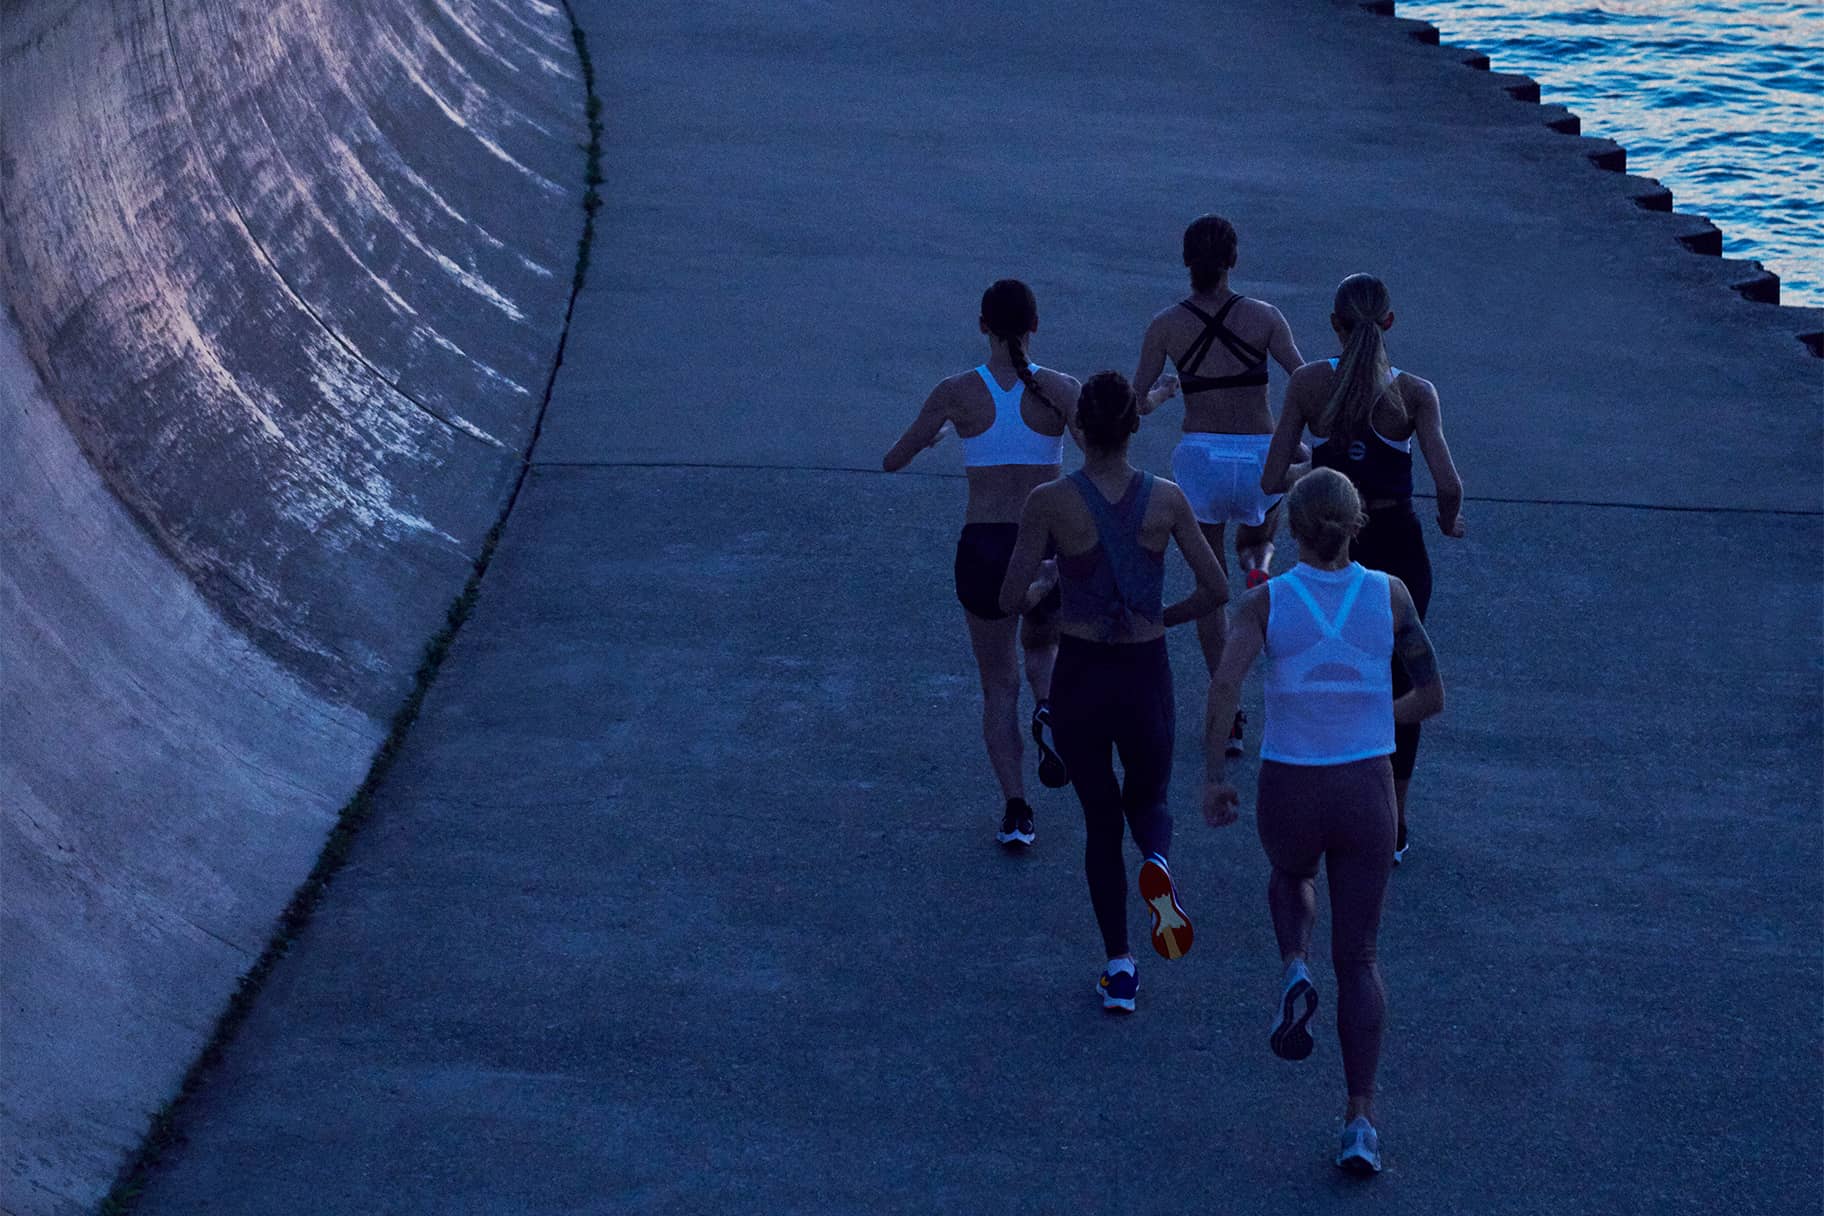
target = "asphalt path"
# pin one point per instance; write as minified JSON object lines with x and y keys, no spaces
{"x":683,"y":896}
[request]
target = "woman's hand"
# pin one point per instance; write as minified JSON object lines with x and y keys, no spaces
{"x":1455,"y":528}
{"x":1163,"y":390}
{"x":1219,"y":802}
{"x":1042,"y":583}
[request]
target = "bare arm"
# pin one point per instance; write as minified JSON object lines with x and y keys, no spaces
{"x":1246,"y":639}
{"x":923,"y":432}
{"x":1413,"y":648}
{"x":1146,"y":373}
{"x":1280,"y":344}
{"x":1275,"y":477}
{"x":1212,"y":590}
{"x":1028,"y":553}
{"x":1428,"y":423}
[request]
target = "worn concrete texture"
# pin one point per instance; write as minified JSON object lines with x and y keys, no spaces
{"x":682,"y":896}
{"x":285,"y":285}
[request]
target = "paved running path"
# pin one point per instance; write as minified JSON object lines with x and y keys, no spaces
{"x":683,"y":896}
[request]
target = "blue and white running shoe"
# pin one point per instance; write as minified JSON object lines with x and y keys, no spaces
{"x":1361,"y":1147}
{"x":1291,"y":1039}
{"x":1117,"y":989}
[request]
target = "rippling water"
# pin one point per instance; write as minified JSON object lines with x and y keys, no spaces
{"x":1723,"y":102}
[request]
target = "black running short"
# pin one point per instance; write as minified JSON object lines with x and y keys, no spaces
{"x":982,"y":554}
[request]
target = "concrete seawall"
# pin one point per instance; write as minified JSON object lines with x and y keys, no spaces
{"x":285,"y":285}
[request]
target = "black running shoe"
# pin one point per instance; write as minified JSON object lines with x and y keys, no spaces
{"x":1016,"y":823}
{"x":1233,"y":746}
{"x":1052,"y":773}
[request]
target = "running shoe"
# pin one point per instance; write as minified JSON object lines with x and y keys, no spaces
{"x":1400,"y":846}
{"x":1233,"y":747}
{"x":1052,"y":773}
{"x":1117,"y":989}
{"x":1291,"y":1039}
{"x":1256,"y":578}
{"x":1016,"y":823}
{"x":1171,"y":927}
{"x":1361,"y":1151}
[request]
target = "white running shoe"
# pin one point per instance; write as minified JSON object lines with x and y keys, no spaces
{"x":1361,"y":1147}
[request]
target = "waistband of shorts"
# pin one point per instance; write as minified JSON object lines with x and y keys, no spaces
{"x":1219,"y":441}
{"x":1390,"y":508}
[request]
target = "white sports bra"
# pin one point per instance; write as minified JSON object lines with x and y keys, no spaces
{"x":1008,"y":440}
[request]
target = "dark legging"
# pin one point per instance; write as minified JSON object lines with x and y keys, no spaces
{"x":1393,"y":542}
{"x":1343,"y":814}
{"x":1108,"y":698}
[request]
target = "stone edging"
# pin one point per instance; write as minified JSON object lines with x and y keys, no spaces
{"x":1695,"y":232}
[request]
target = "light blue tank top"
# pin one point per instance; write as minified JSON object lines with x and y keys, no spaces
{"x":1329,"y":685}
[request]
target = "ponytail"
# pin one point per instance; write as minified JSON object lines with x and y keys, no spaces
{"x":1363,"y":375}
{"x":1010,"y":312}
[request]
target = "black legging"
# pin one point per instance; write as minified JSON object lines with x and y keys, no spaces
{"x":1108,"y":698}
{"x":1393,"y":542}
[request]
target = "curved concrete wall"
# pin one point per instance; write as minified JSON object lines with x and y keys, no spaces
{"x":285,"y":286}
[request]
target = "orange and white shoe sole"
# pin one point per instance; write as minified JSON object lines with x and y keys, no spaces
{"x":1171,"y":927}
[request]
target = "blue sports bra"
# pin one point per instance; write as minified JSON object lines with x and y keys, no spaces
{"x":1120,"y":579}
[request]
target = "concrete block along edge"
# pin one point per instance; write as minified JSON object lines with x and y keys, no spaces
{"x":285,"y":284}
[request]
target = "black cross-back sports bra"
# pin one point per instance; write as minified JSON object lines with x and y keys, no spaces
{"x":1214,"y":330}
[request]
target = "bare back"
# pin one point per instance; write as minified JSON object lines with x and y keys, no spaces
{"x":1392,"y":421}
{"x":1178,"y":334}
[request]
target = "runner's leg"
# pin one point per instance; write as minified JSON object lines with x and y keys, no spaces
{"x":995,"y":644}
{"x":1358,"y":855}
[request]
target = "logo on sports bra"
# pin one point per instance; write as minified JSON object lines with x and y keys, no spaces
{"x":1358,"y":450}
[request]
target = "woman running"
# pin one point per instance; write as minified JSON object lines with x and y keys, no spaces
{"x":1219,"y":341}
{"x":1329,"y":628}
{"x":1010,"y":414}
{"x":1112,"y":692}
{"x":1363,"y":415}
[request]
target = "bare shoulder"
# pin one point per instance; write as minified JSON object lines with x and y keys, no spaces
{"x":1168,"y":492}
{"x":1058,"y":385}
{"x":1258,"y":308}
{"x":953,"y":387}
{"x":1311,"y":381}
{"x":1318,"y":371}
{"x":1164,"y":317}
{"x":1405,"y":612}
{"x":1046,"y":496}
{"x":1422,"y":393}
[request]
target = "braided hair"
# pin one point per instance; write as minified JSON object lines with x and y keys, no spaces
{"x":1010,"y":312}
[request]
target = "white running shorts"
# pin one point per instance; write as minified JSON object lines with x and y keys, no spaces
{"x":1220,"y":474}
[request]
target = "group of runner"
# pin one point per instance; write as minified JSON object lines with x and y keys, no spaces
{"x":1063,"y":577}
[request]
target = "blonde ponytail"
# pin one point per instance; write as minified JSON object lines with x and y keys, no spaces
{"x":1363,"y":375}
